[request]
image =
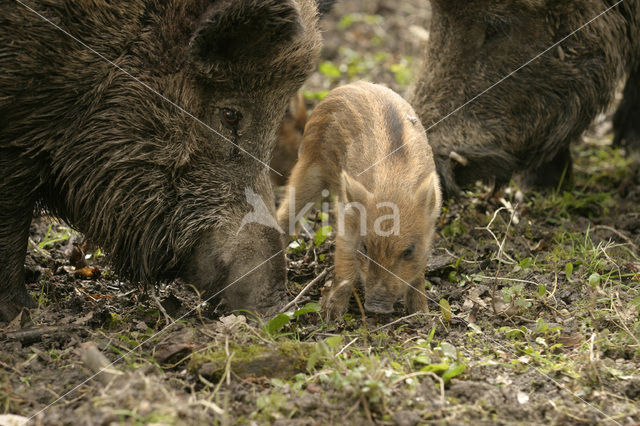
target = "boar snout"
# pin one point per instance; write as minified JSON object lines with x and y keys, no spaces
{"x":247,"y":270}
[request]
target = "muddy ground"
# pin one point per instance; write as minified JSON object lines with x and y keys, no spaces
{"x":534,"y":306}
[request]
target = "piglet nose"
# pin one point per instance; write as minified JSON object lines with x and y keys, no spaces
{"x":378,"y":307}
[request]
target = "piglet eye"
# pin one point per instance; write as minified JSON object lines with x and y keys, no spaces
{"x":363,"y":248}
{"x":408,"y":253}
{"x":230,"y":117}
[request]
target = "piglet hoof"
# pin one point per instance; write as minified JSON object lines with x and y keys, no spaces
{"x":416,"y":302}
{"x":335,"y":300}
{"x":333,"y":309}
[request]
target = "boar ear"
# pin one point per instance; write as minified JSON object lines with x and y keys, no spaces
{"x":429,"y":195}
{"x":352,"y":190}
{"x":246,"y":28}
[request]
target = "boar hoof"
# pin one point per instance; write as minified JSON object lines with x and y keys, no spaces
{"x":554,"y":174}
{"x":333,"y":309}
{"x":628,"y":134}
{"x":11,"y":308}
{"x":416,"y":302}
{"x":626,"y":121}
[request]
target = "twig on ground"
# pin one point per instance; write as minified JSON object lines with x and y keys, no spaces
{"x":506,"y":279}
{"x":364,"y":316}
{"x":618,"y":233}
{"x":95,"y":361}
{"x":31,"y":335}
{"x":306,"y":288}
{"x":167,"y":317}
{"x":415,"y":314}
{"x":365,"y":407}
{"x":346,"y":346}
{"x":37,"y":249}
{"x":500,"y":245}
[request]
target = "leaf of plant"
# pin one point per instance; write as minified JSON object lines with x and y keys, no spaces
{"x":306,"y":309}
{"x":277,"y":323}
{"x":435,"y":368}
{"x":449,"y":350}
{"x":445,"y":309}
{"x":454,"y":370}
{"x":321,"y":235}
{"x":334,"y":341}
{"x":568,"y":270}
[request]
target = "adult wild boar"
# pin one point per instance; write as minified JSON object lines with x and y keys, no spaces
{"x":527,"y":121}
{"x":142,"y":124}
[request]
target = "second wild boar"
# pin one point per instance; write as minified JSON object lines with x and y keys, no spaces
{"x":483,"y":125}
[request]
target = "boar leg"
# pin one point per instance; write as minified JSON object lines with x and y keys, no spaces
{"x":416,"y":301}
{"x":626,"y":121}
{"x":305,"y":186}
{"x":335,"y":301}
{"x":15,"y":217}
{"x":550,"y":174}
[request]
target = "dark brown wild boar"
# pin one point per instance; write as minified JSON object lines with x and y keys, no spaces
{"x":290,"y":132}
{"x":526,"y":122}
{"x":116,"y":150}
{"x":387,"y":213}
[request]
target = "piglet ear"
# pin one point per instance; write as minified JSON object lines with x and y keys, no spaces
{"x":429,"y":196}
{"x":245,"y":28}
{"x":353,"y":191}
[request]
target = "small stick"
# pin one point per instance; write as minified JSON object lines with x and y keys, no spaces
{"x":355,"y":295}
{"x":167,"y":317}
{"x":389,"y":324}
{"x":31,"y":335}
{"x":346,"y":346}
{"x":618,"y":233}
{"x":320,"y":276}
{"x":95,"y":361}
{"x":365,"y":407}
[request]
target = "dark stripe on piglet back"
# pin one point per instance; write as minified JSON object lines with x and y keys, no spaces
{"x":394,"y":125}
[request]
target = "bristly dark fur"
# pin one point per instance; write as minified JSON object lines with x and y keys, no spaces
{"x":124,"y":166}
{"x":526,"y":122}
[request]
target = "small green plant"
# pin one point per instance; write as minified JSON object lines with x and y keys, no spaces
{"x":53,"y":236}
{"x":276,"y":324}
{"x":516,"y":296}
{"x":321,"y":235}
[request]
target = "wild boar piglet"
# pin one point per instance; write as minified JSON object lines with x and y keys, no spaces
{"x":387,"y":205}
{"x":289,"y":138}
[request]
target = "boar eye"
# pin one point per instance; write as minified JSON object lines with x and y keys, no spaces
{"x":408,"y":253}
{"x":495,"y":29}
{"x":230,"y":117}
